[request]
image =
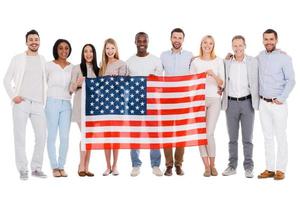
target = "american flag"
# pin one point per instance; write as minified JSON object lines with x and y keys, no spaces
{"x":143,"y":112}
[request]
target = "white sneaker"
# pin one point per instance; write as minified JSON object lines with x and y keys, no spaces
{"x":38,"y":174}
{"x":229,"y":171}
{"x":24,"y":175}
{"x":156,"y":171}
{"x":249,"y":173}
{"x":135,"y":171}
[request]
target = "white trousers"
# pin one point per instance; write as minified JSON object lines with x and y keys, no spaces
{"x":35,"y":112}
{"x":273,"y":119}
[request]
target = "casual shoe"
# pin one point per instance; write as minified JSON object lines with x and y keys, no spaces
{"x":107,"y":172}
{"x":81,"y":173}
{"x":168,"y":171}
{"x":56,"y":173}
{"x":24,"y":175}
{"x":214,"y":171}
{"x":135,"y":171}
{"x":63,"y":173}
{"x":266,"y":174}
{"x":279,"y":175}
{"x":179,"y":171}
{"x":89,"y":174}
{"x":229,"y":171}
{"x":115,"y":172}
{"x":38,"y":174}
{"x":156,"y":171}
{"x":249,"y":173}
{"x":207,"y":172}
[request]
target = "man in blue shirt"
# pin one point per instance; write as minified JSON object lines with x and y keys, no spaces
{"x":175,"y":62}
{"x":276,"y":81}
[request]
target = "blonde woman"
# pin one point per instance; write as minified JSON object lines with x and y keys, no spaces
{"x":111,"y":65}
{"x":208,"y":62}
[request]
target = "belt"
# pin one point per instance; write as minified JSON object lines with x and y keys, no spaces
{"x":266,"y":99}
{"x":240,"y":99}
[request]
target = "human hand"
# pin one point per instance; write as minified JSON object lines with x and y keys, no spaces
{"x":276,"y":101}
{"x":17,"y":99}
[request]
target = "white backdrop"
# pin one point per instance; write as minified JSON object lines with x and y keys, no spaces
{"x":93,"y":21}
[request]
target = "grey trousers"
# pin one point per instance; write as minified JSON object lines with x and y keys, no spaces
{"x":240,"y":112}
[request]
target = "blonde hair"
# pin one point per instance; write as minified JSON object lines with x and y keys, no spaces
{"x":212,"y":53}
{"x":104,"y":60}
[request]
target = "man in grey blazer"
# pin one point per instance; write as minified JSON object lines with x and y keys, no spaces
{"x":240,"y":99}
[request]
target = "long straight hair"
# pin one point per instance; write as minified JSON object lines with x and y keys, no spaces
{"x":104,"y":61}
{"x":94,"y":61}
{"x":212,"y":53}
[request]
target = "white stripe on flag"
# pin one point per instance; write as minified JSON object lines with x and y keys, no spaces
{"x":145,"y":128}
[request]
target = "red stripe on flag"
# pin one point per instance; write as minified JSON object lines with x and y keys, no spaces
{"x":176,"y":78}
{"x":96,"y":146}
{"x":176,"y":89}
{"x":176,"y":111}
{"x":175,"y":100}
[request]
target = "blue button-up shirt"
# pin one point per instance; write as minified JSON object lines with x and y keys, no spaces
{"x":176,"y":64}
{"x":276,"y":75}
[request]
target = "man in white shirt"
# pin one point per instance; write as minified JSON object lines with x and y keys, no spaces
{"x":25,"y":84}
{"x":144,"y":64}
{"x":240,"y":99}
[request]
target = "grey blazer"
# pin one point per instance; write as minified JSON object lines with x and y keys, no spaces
{"x":252,"y":73}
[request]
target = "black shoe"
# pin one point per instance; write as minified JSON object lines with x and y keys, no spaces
{"x":179,"y":171}
{"x":168,"y":171}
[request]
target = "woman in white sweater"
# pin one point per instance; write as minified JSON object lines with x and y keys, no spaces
{"x":208,"y":62}
{"x":58,"y":106}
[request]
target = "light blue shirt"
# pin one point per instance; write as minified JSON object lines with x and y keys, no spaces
{"x":276,"y":75}
{"x":176,"y":64}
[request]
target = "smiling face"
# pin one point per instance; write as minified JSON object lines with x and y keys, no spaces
{"x":110,"y":50}
{"x":141,"y":44}
{"x":177,"y":40}
{"x":238,"y":47}
{"x":88,"y":54}
{"x":269,"y":41}
{"x":63,"y":51}
{"x":207,"y":45}
{"x":33,"y":42}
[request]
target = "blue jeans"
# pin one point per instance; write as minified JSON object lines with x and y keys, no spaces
{"x":155,"y":157}
{"x":58,"y":113}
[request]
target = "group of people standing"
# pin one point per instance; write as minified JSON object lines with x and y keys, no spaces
{"x":239,"y":84}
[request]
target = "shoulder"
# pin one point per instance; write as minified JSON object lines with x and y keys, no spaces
{"x":195,"y":59}
{"x":19,"y":56}
{"x":121,"y":63}
{"x":131,"y":58}
{"x":165,"y":53}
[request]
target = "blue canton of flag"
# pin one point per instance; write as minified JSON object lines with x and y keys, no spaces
{"x":119,"y":95}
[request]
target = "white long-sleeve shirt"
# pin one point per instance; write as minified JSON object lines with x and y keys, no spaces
{"x":58,"y":80}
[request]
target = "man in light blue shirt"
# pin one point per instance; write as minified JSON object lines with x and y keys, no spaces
{"x":176,"y":62}
{"x":276,"y":81}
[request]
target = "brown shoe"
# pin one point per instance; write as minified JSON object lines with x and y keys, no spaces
{"x":63,"y":173}
{"x":81,"y":173}
{"x":179,"y":171}
{"x":207,"y":172}
{"x":56,"y":173}
{"x":214,"y":171}
{"x":279,"y":175}
{"x":266,"y":174}
{"x":168,"y":171}
{"x":90,"y":174}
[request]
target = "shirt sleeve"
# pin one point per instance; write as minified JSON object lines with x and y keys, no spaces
{"x":8,"y":79}
{"x":289,"y":78}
